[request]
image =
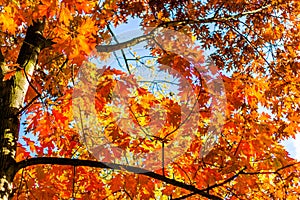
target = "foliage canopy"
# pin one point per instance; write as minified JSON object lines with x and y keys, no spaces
{"x":47,"y":45}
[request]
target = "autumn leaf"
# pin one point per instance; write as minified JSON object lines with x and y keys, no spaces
{"x":9,"y":75}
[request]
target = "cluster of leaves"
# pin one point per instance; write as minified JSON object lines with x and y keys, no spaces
{"x":256,"y":44}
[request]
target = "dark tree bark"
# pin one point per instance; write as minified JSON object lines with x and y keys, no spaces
{"x":12,"y":94}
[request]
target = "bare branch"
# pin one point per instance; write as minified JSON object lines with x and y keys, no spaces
{"x":123,"y":45}
{"x":122,"y":50}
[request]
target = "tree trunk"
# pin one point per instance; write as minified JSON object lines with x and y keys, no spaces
{"x":9,"y":128}
{"x":12,"y":94}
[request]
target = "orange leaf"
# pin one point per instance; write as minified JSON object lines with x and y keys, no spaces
{"x":9,"y":75}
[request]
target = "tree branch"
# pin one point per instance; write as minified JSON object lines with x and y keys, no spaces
{"x":123,"y":45}
{"x":137,"y":40}
{"x":270,"y":172}
{"x":122,"y":50}
{"x":90,"y":163}
{"x":228,"y":180}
